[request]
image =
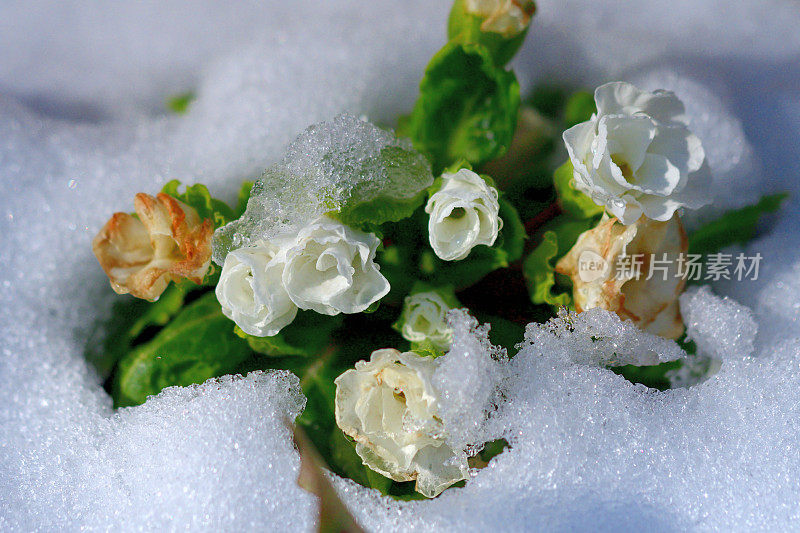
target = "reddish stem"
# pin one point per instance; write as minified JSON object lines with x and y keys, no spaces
{"x":548,"y":213}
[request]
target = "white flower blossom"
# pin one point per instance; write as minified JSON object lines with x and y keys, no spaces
{"x":506,"y":17}
{"x":330,"y":269}
{"x":389,"y":406}
{"x":637,"y":156}
{"x":463,"y":214}
{"x":251,"y":291}
{"x":425,"y":318}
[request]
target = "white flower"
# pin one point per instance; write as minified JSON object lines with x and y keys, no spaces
{"x":389,"y":406}
{"x":330,"y":269}
{"x":610,"y":266}
{"x":506,"y":17}
{"x":251,"y":292}
{"x":463,"y":214}
{"x":425,"y":318}
{"x":637,"y":156}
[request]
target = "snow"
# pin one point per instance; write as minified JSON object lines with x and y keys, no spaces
{"x":721,"y":327}
{"x":82,"y":128}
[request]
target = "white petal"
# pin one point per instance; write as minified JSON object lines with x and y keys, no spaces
{"x":623,"y":98}
{"x":628,"y":137}
{"x":657,"y":176}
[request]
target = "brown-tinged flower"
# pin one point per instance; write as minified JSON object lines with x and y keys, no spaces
{"x":631,"y":270}
{"x":168,"y":241}
{"x":506,"y":17}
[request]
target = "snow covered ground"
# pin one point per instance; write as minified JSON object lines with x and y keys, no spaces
{"x":82,"y":128}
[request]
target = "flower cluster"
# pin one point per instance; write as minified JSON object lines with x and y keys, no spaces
{"x":636,"y":158}
{"x":359,"y":241}
{"x":326,"y":267}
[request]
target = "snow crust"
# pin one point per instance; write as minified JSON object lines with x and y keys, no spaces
{"x":82,"y":129}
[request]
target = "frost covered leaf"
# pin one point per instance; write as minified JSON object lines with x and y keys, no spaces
{"x":347,"y":169}
{"x":367,"y":207}
{"x":572,"y":201}
{"x":242,"y":198}
{"x":467,"y":107}
{"x":734,"y":227}
{"x":197,"y":344}
{"x":500,"y":33}
{"x":307,"y":335}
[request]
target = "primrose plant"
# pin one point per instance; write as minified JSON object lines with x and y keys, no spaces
{"x":346,"y":261}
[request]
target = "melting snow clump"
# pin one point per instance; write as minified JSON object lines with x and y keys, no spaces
{"x":327,"y":165}
{"x":721,"y":327}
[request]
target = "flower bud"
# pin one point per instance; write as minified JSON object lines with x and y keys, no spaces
{"x":389,"y":406}
{"x":506,"y":17}
{"x":168,"y":241}
{"x":424,"y":318}
{"x":464,"y":213}
{"x":632,"y":271}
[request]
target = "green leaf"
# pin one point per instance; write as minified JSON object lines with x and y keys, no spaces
{"x":734,"y":227}
{"x":503,"y":332}
{"x":130,"y":319}
{"x":410,"y":176}
{"x":179,"y":104}
{"x":579,"y":108}
{"x":196,"y":345}
{"x":572,"y":201}
{"x":540,"y":274}
{"x":426,"y":349}
{"x":198,"y":197}
{"x":242,"y":198}
{"x":513,"y":234}
{"x":467,"y":107}
{"x":653,"y":376}
{"x":307,"y":335}
{"x":466,"y":28}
